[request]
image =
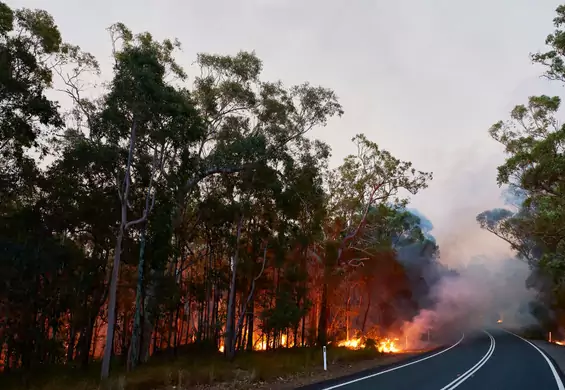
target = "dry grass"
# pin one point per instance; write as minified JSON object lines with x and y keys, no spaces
{"x":196,"y":371}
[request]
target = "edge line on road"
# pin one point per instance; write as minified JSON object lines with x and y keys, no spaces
{"x":556,"y":376}
{"x":467,"y":374}
{"x":396,"y":368}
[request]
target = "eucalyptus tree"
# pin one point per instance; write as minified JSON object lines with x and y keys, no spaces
{"x":147,"y":116}
{"x":272,"y":203}
{"x":370,"y":180}
{"x":533,"y":141}
{"x":31,"y":251}
{"x":27,"y":40}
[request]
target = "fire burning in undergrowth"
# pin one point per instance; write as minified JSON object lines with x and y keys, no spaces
{"x":260,"y":343}
{"x":385,"y":345}
{"x":388,"y":346}
{"x":552,"y":340}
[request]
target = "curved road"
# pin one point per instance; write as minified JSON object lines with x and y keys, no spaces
{"x":493,"y":359}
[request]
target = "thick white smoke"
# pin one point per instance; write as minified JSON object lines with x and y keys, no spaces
{"x":484,"y":292}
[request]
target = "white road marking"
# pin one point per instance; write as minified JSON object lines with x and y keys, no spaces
{"x":467,"y":374}
{"x":558,"y":380}
{"x":395,"y":368}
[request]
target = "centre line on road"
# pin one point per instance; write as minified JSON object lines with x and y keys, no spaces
{"x":395,"y":368}
{"x":475,"y":368}
{"x":558,"y":380}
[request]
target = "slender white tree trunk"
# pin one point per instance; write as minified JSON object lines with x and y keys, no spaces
{"x":123,"y":194}
{"x":112,"y":306}
{"x":230,"y":326}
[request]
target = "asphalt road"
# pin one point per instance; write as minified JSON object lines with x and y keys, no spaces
{"x":489,"y":359}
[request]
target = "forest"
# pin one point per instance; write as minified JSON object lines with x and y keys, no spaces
{"x":164,"y":210}
{"x":159,"y":214}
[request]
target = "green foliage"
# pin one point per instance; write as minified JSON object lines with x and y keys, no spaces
{"x":533,"y":141}
{"x":553,"y":58}
{"x":27,"y":39}
{"x":372,"y":177}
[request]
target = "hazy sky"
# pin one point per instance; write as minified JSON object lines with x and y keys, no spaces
{"x":423,"y":78}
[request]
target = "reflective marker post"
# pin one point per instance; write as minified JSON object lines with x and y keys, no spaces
{"x":325,"y":359}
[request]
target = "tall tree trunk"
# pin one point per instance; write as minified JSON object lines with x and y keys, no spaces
{"x":323,"y":322}
{"x":366,"y":313}
{"x":148,"y":318}
{"x":303,"y":333}
{"x":176,"y":331}
{"x":250,"y":325}
{"x":112,"y":304}
{"x":251,"y":293}
{"x":71,"y":346}
{"x":124,"y":194}
{"x":217,"y":296}
{"x":86,"y":341}
{"x":155,"y":331}
{"x":207,"y":306}
{"x":347,"y":310}
{"x":133,"y":356}
{"x":241,"y":332}
{"x":229,"y":342}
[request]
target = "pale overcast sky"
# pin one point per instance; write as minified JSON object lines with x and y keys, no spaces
{"x":423,"y":78}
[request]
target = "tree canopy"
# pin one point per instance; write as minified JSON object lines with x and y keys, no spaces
{"x":533,"y":139}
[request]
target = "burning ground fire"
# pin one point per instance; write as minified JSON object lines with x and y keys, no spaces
{"x":260,"y":343}
{"x":385,"y":345}
{"x":552,"y":340}
{"x":558,"y":342}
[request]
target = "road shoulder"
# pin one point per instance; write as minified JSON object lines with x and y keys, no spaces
{"x":555,"y":353}
{"x":333,"y":377}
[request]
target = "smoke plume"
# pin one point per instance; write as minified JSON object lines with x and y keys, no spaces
{"x":481,"y":295}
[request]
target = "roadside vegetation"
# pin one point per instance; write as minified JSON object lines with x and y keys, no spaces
{"x":533,"y":174}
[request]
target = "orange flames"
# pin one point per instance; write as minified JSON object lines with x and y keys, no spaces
{"x":385,"y":345}
{"x":352,"y":343}
{"x":388,"y":346}
{"x":552,"y":340}
{"x":260,"y":343}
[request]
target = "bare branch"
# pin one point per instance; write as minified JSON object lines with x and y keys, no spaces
{"x":358,"y":262}
{"x":214,"y":171}
{"x":354,"y":234}
{"x":120,"y":195}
